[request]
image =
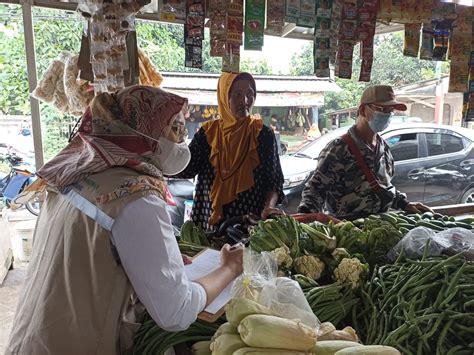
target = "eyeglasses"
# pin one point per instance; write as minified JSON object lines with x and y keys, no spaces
{"x":180,"y":131}
{"x":384,"y":109}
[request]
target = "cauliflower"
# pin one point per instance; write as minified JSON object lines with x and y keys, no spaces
{"x":309,"y":266}
{"x":283,"y":258}
{"x":349,"y":271}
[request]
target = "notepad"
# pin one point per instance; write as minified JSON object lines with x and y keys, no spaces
{"x":202,"y":264}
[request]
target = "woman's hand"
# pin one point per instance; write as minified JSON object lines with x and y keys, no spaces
{"x":268,"y":211}
{"x":417,"y":207}
{"x":232,"y":258}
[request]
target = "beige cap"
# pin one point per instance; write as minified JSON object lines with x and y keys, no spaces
{"x":382,"y":95}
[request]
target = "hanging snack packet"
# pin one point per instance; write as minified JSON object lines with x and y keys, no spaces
{"x":367,"y":56}
{"x":218,"y":32}
{"x":408,"y":9}
{"x":396,"y":10}
{"x":344,"y":69}
{"x":321,"y":48}
{"x":346,"y":50}
{"x":321,"y":67}
{"x":323,"y":27}
{"x":427,"y":43}
{"x":348,"y":31}
{"x":423,"y":11}
{"x":172,"y":10}
{"x":336,"y":13}
{"x":441,"y":40}
{"x":412,"y":40}
{"x":235,"y":7}
{"x":235,"y":27}
{"x":254,"y":24}
{"x":307,"y":13}
{"x":292,"y":11}
{"x":231,"y":60}
{"x":349,"y":10}
{"x":194,"y":33}
{"x":385,"y":11}
{"x":276,"y":15}
{"x":324,"y":8}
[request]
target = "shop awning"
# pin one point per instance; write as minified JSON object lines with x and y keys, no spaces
{"x":283,"y":99}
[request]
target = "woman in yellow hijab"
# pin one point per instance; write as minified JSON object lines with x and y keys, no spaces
{"x":235,"y":158}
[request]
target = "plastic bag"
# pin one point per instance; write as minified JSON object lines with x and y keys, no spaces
{"x":259,"y":282}
{"x":450,"y":242}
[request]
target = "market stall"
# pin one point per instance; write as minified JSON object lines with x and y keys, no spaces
{"x":397,"y":280}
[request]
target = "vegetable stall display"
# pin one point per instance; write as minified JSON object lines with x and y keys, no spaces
{"x":351,"y":282}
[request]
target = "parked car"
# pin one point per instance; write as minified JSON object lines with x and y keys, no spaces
{"x":434,"y":164}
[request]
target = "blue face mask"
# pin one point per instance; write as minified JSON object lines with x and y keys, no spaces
{"x":380,"y":121}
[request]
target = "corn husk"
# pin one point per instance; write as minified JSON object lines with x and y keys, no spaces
{"x":331,"y":347}
{"x":225,"y":328}
{"x":226,"y":344}
{"x":348,"y":333}
{"x":325,"y":328}
{"x":369,"y":350}
{"x":266,"y":331}
{"x":240,"y":307}
{"x":260,"y":351}
{"x":202,"y":348}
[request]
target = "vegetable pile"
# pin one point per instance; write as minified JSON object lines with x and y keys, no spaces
{"x":421,"y":307}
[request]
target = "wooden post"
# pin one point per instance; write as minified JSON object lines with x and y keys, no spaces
{"x":26,"y":7}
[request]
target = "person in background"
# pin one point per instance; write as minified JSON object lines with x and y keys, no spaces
{"x":353,"y":176}
{"x":275,"y":126}
{"x":235,"y":159}
{"x":104,"y":236}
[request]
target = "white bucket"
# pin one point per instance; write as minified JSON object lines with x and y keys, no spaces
{"x":22,"y":242}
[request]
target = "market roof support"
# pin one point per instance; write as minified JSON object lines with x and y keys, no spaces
{"x":26,"y":6}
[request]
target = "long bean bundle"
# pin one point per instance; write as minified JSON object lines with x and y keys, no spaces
{"x":419,"y":306}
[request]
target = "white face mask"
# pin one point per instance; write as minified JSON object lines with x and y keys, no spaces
{"x":172,"y":157}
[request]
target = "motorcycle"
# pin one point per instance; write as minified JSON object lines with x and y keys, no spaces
{"x":21,"y":175}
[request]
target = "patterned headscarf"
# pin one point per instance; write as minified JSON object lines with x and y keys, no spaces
{"x":108,"y":135}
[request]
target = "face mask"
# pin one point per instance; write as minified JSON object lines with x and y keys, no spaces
{"x":172,"y":157}
{"x":380,"y":121}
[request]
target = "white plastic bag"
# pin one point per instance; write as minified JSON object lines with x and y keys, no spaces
{"x":281,"y":294}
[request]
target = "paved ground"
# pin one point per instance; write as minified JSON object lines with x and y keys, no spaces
{"x":9,"y":292}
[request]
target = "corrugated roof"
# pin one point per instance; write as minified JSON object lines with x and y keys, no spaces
{"x":265,"y":84}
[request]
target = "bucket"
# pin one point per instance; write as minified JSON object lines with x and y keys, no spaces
{"x":22,"y":242}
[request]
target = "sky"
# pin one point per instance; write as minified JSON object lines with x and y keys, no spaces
{"x":277,"y":51}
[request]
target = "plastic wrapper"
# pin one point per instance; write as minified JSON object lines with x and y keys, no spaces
{"x":367,"y":55}
{"x":412,"y":40}
{"x":408,"y":11}
{"x":275,"y":15}
{"x":385,"y":10}
{"x":172,"y":10}
{"x":321,"y":67}
{"x":194,"y":33}
{"x":307,"y":13}
{"x":235,"y":7}
{"x":235,"y":27}
{"x":218,"y":30}
{"x":254,"y":24}
{"x":449,"y":242}
{"x":259,"y":282}
{"x":149,"y":75}
{"x":426,"y":49}
{"x":292,"y":11}
{"x":396,"y":11}
{"x":231,"y":59}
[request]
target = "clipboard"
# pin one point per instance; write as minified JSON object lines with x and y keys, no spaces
{"x":204,"y":315}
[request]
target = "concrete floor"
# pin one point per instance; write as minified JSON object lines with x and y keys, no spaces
{"x":9,"y":292}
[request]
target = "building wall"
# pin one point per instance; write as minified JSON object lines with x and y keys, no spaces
{"x":452,"y":110}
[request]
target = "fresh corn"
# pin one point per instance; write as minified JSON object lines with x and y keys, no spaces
{"x":202,"y":348}
{"x":260,"y":351}
{"x":240,"y":307}
{"x":331,"y":347}
{"x":226,"y":344}
{"x":369,"y":350}
{"x":225,"y":328}
{"x":348,"y":333}
{"x":265,"y":331}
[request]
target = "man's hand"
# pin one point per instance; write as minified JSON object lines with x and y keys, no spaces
{"x":417,"y":207}
{"x":268,"y":211}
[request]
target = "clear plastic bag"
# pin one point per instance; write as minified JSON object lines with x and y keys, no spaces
{"x":450,"y":241}
{"x":259,"y":282}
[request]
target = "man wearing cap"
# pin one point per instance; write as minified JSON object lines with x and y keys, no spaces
{"x":353,"y":177}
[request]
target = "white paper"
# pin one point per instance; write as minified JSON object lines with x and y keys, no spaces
{"x":206,"y":262}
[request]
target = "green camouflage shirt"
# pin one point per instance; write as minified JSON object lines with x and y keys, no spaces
{"x":340,"y":188}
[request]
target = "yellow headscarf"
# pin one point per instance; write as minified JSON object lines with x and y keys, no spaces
{"x":234,"y":145}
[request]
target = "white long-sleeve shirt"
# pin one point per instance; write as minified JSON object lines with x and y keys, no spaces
{"x":144,"y":238}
